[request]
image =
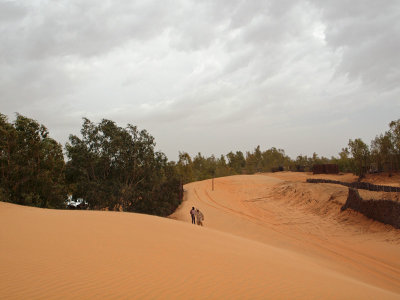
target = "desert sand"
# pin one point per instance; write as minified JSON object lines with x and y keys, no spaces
{"x":265,"y":236}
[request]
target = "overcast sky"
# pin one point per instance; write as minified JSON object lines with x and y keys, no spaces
{"x":206,"y":76}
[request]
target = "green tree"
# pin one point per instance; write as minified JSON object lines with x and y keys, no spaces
{"x":361,"y":154}
{"x":302,"y":163}
{"x":344,"y":161}
{"x":236,"y":162}
{"x":382,"y":151}
{"x":222,"y":168}
{"x":8,"y":141}
{"x":200,"y":168}
{"x":117,"y":168}
{"x":394,"y":132}
{"x":254,"y":161}
{"x":273,"y":159}
{"x":185,"y":167}
{"x":211,"y":166}
{"x":32,"y":164}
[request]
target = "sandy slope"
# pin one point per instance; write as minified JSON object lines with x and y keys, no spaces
{"x":283,"y":210}
{"x":260,"y":242}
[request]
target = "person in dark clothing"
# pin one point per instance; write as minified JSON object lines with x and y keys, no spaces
{"x":192,"y":214}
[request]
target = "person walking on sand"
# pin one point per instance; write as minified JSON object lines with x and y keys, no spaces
{"x":193,"y":215}
{"x":199,"y":217}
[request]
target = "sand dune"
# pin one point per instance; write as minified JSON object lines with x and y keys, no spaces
{"x":264,"y":238}
{"x":283,"y":210}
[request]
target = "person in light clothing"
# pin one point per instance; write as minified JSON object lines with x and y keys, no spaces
{"x":199,"y":217}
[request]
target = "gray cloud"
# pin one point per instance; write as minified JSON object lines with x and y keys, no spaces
{"x":367,"y":33}
{"x":209,"y":76}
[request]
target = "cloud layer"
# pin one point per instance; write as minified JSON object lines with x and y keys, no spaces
{"x":209,"y":76}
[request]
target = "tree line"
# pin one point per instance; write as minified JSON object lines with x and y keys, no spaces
{"x":115,"y":168}
{"x":109,"y":167}
{"x":383,"y":154}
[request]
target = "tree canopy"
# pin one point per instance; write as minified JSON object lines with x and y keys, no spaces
{"x":118,"y":169}
{"x":31,"y":164}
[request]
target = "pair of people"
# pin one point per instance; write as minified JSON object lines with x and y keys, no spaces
{"x":197,"y":215}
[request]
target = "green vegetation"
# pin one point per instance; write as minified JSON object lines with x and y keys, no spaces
{"x":31,"y":164}
{"x":361,"y":155}
{"x":383,"y":155}
{"x":116,"y":168}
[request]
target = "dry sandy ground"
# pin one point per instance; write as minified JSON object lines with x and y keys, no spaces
{"x":267,"y":236}
{"x":383,"y":179}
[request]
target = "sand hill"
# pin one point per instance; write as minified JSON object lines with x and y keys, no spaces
{"x":266,"y":236}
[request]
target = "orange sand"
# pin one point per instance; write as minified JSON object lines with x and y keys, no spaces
{"x":267,"y":236}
